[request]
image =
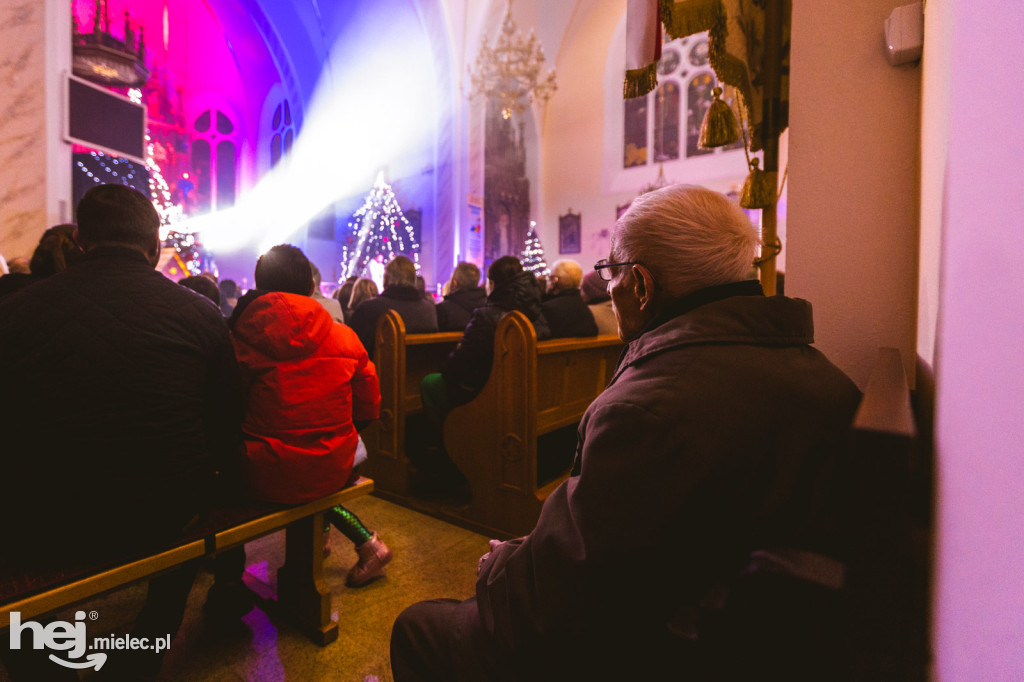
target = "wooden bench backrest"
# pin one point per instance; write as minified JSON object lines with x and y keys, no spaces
{"x":534,"y":388}
{"x":402,"y":360}
{"x":886,"y":581}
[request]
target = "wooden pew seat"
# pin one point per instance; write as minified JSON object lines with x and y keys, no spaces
{"x":301,"y":588}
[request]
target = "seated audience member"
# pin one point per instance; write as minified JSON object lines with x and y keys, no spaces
{"x":697,"y":532}
{"x":421,"y":286}
{"x":19,"y":265}
{"x":594,"y":292}
{"x":464,"y":296}
{"x":400,"y":294}
{"x":344,"y":295}
{"x":565,"y":311}
{"x":363,"y":289}
{"x":128,"y":403}
{"x":310,"y":387}
{"x":344,"y":292}
{"x":229,"y":294}
{"x":55,"y":252}
{"x":466,"y":369}
{"x":329,"y":304}
{"x":203,"y":286}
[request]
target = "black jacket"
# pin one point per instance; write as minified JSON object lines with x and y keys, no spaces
{"x":123,"y":398}
{"x":454,"y":312}
{"x":467,"y":368}
{"x":416,"y":312}
{"x":568,"y":315}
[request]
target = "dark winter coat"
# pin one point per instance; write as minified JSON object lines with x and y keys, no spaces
{"x":568,"y":315}
{"x":721,"y":433}
{"x":416,"y":312}
{"x":306,"y":379}
{"x":455,"y":311}
{"x":122,"y":397}
{"x":467,"y":368}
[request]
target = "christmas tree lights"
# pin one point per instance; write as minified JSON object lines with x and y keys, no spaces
{"x":533,"y":253}
{"x":378,"y":228}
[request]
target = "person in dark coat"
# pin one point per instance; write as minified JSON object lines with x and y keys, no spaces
{"x":563,"y":308}
{"x":128,"y":406}
{"x":401,"y":295}
{"x":464,"y":296}
{"x":698,"y":531}
{"x":466,"y":369}
{"x":55,"y":252}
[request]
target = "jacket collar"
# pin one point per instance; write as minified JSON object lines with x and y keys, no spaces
{"x":726,"y":314}
{"x":402,"y":292}
{"x":115,"y":251}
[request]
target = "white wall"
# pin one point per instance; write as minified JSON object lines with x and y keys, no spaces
{"x":853,"y":183}
{"x":979,"y":365}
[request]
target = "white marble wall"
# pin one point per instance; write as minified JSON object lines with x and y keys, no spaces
{"x":23,"y":129}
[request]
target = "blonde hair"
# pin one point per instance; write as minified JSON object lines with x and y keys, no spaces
{"x":363,"y":290}
{"x":569,"y":274}
{"x":688,"y":236}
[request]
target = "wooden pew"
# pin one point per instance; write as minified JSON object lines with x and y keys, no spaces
{"x":302,"y":592}
{"x":888,"y":570}
{"x":534,"y":388}
{"x":402,"y":361}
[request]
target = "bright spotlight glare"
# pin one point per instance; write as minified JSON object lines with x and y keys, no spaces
{"x":365,"y":114}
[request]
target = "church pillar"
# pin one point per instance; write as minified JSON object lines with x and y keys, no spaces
{"x":35,"y":162}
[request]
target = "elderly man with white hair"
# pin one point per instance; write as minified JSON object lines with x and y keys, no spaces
{"x":700,"y":530}
{"x":564,"y":309}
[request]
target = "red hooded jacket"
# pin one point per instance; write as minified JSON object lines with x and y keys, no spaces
{"x":306,"y":379}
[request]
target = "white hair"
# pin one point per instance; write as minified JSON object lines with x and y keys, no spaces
{"x":569,"y":273}
{"x":688,"y":236}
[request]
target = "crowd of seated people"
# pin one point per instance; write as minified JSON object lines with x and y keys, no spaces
{"x":687,"y":487}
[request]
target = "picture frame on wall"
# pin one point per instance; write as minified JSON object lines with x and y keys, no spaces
{"x":569,"y":232}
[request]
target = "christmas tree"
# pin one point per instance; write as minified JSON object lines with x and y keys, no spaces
{"x":378,"y":228}
{"x":533,"y":254}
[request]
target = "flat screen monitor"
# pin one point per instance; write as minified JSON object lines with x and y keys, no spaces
{"x":104,"y":120}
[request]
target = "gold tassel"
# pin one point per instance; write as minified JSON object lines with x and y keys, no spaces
{"x":759,"y":189}
{"x":719,"y":127}
{"x":640,"y":81}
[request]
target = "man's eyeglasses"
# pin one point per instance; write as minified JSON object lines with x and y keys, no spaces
{"x":603,"y":267}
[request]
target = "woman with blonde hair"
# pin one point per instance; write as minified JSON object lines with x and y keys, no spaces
{"x":363,"y":290}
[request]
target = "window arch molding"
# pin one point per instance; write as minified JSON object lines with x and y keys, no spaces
{"x":214,"y":129}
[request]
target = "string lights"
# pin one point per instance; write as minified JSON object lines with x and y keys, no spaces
{"x":378,"y":228}
{"x":533,"y":253}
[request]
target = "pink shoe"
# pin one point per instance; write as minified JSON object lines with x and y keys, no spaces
{"x":373,"y":556}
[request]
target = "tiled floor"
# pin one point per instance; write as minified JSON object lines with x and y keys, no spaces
{"x":431,"y":559}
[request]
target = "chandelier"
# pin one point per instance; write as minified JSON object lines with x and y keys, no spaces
{"x":510,"y":70}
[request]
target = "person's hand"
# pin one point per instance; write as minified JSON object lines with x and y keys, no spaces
{"x":480,"y":563}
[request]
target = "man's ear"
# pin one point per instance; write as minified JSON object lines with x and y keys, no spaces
{"x":154,"y":250}
{"x":643,"y":286}
{"x":312,"y":286}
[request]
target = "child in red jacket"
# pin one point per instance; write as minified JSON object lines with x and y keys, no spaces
{"x":309,"y":387}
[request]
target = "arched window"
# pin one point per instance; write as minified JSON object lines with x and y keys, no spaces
{"x":214,"y":160}
{"x":683,"y":71}
{"x":282,"y":131}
